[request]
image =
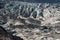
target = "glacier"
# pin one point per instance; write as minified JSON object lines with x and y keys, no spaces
{"x":31,"y":21}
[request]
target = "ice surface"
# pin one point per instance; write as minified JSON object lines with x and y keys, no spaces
{"x":31,"y":21}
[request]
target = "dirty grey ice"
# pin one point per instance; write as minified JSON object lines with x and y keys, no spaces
{"x":31,"y":21}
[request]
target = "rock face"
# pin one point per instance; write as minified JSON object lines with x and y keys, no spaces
{"x":31,"y":21}
{"x":4,"y":35}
